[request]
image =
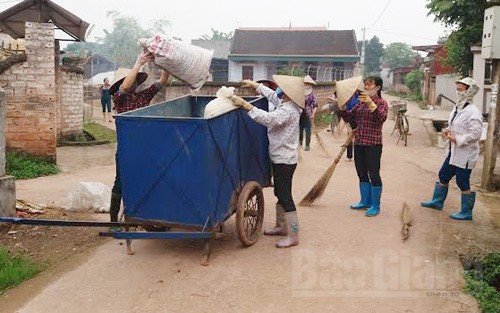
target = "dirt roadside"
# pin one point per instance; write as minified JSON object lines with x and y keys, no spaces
{"x":344,"y":263}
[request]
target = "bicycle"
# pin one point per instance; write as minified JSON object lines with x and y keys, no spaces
{"x":401,"y":121}
{"x":337,"y":125}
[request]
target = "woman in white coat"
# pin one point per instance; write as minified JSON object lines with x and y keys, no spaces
{"x":462,"y":150}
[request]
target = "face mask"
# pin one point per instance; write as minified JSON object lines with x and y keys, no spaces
{"x":372,"y":92}
{"x":308,"y":89}
{"x":461,"y":98}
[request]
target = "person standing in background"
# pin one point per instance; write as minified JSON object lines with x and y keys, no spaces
{"x":106,"y":100}
{"x":307,"y":116}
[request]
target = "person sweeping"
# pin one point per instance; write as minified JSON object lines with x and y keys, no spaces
{"x":369,"y":115}
{"x":283,"y":133}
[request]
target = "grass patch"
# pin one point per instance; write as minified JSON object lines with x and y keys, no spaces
{"x":100,"y":132}
{"x":14,"y":269}
{"x":22,"y":165}
{"x":323,"y":119}
{"x":483,"y":282}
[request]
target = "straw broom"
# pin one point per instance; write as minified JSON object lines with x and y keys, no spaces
{"x":406,"y":220}
{"x":320,"y":141}
{"x":319,"y":188}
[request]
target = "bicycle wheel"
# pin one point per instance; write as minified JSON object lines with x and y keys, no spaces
{"x":400,"y":128}
{"x":396,"y":124}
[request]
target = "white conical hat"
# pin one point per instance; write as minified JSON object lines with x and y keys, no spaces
{"x":293,"y":87}
{"x":308,"y":79}
{"x":346,"y":88}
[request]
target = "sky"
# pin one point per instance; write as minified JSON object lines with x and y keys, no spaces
{"x":390,"y":20}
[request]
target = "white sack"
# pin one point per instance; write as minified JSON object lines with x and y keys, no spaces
{"x":87,"y":196}
{"x":187,"y":62}
{"x":221,"y":104}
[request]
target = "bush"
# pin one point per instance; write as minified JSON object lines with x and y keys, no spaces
{"x":15,"y":269}
{"x":25,"y":166}
{"x":483,"y":283}
{"x":414,"y":80}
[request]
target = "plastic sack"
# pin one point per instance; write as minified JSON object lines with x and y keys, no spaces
{"x":187,"y":62}
{"x":87,"y":196}
{"x":221,"y":104}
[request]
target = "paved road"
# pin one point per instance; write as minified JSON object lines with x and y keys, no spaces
{"x":345,"y":262}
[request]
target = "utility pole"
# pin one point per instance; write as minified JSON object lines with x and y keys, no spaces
{"x":491,"y":50}
{"x":363,"y":46}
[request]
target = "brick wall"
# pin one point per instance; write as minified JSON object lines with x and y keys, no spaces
{"x":31,"y":95}
{"x":70,"y":117}
{"x":3,"y":109}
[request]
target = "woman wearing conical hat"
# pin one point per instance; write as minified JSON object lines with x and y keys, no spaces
{"x":369,"y":114}
{"x":307,"y":116}
{"x":283,"y":133}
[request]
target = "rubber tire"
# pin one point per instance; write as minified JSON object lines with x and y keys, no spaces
{"x":250,"y":190}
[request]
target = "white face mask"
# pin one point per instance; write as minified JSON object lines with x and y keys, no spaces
{"x":461,"y":98}
{"x":308,"y":89}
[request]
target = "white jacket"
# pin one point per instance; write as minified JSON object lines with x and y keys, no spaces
{"x":467,"y":128}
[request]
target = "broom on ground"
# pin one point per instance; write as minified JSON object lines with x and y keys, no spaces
{"x":317,"y":190}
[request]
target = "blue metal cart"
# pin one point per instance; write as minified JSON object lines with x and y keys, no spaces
{"x":183,"y":175}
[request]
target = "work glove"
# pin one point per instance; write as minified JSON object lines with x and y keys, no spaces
{"x":238,"y":101}
{"x":249,"y":83}
{"x":365,"y":99}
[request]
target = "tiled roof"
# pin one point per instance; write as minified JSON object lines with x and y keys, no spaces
{"x":294,"y":42}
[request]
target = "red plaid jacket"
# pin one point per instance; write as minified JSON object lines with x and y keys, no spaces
{"x":369,"y":124}
{"x":125,"y":102}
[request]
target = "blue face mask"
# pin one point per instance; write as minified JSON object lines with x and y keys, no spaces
{"x":279,"y":92}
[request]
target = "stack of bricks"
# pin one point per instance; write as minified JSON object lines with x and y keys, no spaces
{"x":31,"y":95}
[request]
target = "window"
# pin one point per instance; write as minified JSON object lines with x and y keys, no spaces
{"x":247,"y":72}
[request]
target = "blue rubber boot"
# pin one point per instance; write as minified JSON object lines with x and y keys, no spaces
{"x":465,"y":213}
{"x":437,"y":202}
{"x":365,"y":191}
{"x":375,"y":207}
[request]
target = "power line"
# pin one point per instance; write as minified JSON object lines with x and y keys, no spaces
{"x":399,"y":34}
{"x":380,"y":15}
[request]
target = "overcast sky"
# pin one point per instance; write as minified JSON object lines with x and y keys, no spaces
{"x":390,"y":20}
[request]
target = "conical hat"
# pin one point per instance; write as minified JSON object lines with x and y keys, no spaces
{"x":293,"y":87}
{"x":308,"y":79}
{"x":139,"y":79}
{"x":346,"y":88}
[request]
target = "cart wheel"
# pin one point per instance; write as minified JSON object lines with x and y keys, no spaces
{"x":250,"y":213}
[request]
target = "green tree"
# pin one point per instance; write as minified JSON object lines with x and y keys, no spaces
{"x":465,"y":18}
{"x":398,"y":54}
{"x":292,"y":71}
{"x":120,"y":44}
{"x":414,"y":80}
{"x":218,"y":35}
{"x":374,"y":51}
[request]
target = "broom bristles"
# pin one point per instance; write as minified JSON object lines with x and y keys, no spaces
{"x":319,"y":188}
{"x":322,"y":145}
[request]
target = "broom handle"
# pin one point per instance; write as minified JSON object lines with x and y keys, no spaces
{"x":347,"y":142}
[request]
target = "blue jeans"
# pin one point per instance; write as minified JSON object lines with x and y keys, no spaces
{"x":447,"y":172}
